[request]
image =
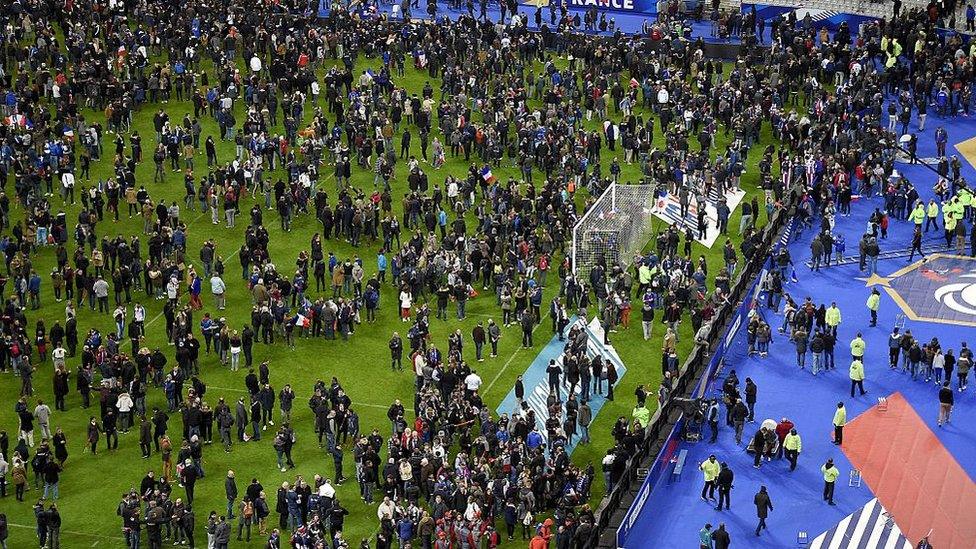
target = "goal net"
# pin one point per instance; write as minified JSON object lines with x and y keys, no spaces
{"x":614,"y":229}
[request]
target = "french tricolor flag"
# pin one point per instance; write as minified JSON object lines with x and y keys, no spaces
{"x":19,"y":120}
{"x":487,"y":175}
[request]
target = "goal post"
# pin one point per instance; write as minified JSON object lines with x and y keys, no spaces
{"x":614,"y":229}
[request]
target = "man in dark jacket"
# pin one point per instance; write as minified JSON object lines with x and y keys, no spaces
{"x":763,"y":506}
{"x":221,"y":534}
{"x":724,"y":482}
{"x":721,"y":537}
{"x":739,"y":415}
{"x":53,"y":526}
{"x":189,"y":524}
{"x":751,"y":390}
{"x":189,"y":479}
{"x":230,"y":489}
{"x":758,"y":445}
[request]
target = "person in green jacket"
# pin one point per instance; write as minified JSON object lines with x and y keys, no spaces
{"x":832,"y":318}
{"x":830,"y":474}
{"x":642,"y":415}
{"x":857,"y":347}
{"x":918,"y":215}
{"x":792,"y":446}
{"x":874,"y":302}
{"x":932,"y":215}
{"x":857,"y":377}
{"x":710,"y":468}
{"x":840,"y":419}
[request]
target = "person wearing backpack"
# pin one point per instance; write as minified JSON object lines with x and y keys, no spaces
{"x":246,"y":519}
{"x":372,"y":300}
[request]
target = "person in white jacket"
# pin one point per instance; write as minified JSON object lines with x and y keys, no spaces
{"x":125,"y":404}
{"x":385,"y":509}
{"x":406,"y":302}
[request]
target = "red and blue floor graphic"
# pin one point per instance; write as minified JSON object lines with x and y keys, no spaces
{"x":913,"y":474}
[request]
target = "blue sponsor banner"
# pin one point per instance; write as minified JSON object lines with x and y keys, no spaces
{"x":536,"y":380}
{"x":704,"y":388}
{"x":655,"y":474}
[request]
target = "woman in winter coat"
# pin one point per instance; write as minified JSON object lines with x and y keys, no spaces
{"x":60,"y":447}
{"x":94,"y":431}
{"x":18,"y":474}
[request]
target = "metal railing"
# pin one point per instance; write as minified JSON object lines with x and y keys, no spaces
{"x":689,"y":375}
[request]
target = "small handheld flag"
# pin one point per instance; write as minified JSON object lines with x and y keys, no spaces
{"x":487,"y":175}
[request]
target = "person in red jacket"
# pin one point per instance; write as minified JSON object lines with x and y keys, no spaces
{"x":782,"y":429}
{"x":538,"y":542}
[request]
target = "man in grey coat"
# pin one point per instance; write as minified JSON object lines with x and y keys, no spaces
{"x":584,"y":417}
{"x":42,"y":413}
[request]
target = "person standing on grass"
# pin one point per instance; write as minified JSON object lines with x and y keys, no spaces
{"x":494,"y":334}
{"x":41,"y":518}
{"x":946,"y":401}
{"x":145,"y":437}
{"x":840,"y":419}
{"x":230,"y":491}
{"x":94,"y":431}
{"x":3,"y":531}
{"x":396,"y":352}
{"x":763,"y":506}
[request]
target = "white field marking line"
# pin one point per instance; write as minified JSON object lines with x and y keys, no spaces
{"x":354,"y":403}
{"x":505,"y":367}
{"x":72,"y":532}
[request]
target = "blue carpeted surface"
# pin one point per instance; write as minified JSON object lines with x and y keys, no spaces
{"x":625,"y":22}
{"x":674,"y":512}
